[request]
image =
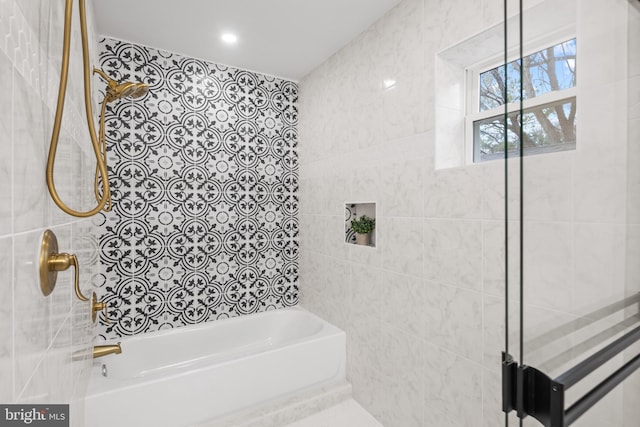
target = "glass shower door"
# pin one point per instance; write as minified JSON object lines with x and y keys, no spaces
{"x":571,"y":128}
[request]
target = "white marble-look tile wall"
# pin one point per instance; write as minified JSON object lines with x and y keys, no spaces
{"x":45,"y":342}
{"x":631,"y":409}
{"x":424,"y":310}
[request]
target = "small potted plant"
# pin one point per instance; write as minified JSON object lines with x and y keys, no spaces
{"x":363,"y":228}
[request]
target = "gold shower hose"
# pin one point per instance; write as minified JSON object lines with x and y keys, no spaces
{"x":104,"y":199}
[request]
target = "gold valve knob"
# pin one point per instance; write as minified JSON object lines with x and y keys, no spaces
{"x":97,"y":306}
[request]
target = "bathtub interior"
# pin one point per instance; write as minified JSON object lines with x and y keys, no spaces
{"x":292,"y":351}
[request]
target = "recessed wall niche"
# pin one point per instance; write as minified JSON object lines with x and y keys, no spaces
{"x":365,"y":214}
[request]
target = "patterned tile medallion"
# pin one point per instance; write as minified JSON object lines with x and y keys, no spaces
{"x":205,"y":177}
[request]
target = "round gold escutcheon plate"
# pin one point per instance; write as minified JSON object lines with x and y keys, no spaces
{"x":48,"y":277}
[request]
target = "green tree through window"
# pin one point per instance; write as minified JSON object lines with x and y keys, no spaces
{"x":548,"y":119}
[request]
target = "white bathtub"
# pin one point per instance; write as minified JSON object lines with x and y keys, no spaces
{"x":187,"y":375}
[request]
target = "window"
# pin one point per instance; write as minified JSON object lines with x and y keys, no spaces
{"x":548,"y":96}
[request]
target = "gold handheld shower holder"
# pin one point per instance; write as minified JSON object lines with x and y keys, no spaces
{"x":115,"y":91}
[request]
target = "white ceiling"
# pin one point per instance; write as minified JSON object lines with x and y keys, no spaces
{"x":284,"y":38}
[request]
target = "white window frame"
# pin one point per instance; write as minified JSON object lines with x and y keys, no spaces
{"x":472,"y":90}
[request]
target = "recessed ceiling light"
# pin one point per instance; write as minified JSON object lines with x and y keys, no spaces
{"x":229,"y":38}
{"x":388,"y":83}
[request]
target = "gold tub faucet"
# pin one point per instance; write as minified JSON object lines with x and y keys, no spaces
{"x":103,"y":350}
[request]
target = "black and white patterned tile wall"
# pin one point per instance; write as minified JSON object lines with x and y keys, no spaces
{"x":204,"y":174}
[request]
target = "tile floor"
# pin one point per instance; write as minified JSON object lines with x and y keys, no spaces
{"x":346,"y":414}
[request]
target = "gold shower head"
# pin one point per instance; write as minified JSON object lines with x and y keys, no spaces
{"x":128,"y":89}
{"x":117,"y":90}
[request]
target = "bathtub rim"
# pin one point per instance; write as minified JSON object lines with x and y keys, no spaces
{"x":205,"y":325}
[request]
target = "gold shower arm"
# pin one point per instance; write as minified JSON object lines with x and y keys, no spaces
{"x":101,"y":165}
{"x":104,"y":76}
